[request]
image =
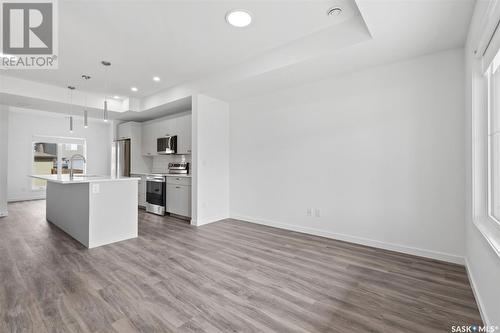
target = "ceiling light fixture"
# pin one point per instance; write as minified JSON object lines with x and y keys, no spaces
{"x":334,"y":11}
{"x":238,"y":18}
{"x":85,"y":112}
{"x":156,"y":78}
{"x":116,"y":97}
{"x":85,"y":119}
{"x":71,"y":88}
{"x":105,"y":110}
{"x":134,"y":89}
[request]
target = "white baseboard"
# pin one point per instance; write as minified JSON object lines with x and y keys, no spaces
{"x":477,"y":296}
{"x":456,"y":259}
{"x":4,"y":213}
{"x":207,"y":220}
{"x":27,"y":198}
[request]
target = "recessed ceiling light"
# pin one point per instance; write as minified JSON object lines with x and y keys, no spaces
{"x":134,"y":89}
{"x":334,"y":11}
{"x":156,"y":78}
{"x":238,"y":18}
{"x":116,"y":97}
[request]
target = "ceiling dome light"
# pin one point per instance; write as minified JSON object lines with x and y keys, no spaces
{"x":238,"y":18}
{"x":134,"y":89}
{"x":156,"y":78}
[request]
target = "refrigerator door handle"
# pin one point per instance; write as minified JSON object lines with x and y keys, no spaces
{"x":118,"y":164}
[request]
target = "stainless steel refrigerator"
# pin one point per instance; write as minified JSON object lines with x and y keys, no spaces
{"x":121,"y":159}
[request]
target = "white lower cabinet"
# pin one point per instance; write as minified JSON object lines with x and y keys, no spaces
{"x":142,"y":190}
{"x":179,"y":196}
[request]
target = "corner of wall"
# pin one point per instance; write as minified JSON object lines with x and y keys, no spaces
{"x":4,"y":137}
{"x":210,"y":159}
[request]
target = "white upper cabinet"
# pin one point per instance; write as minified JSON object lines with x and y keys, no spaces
{"x":176,"y":125}
{"x":125,"y":130}
{"x":149,"y":136}
{"x":183,"y":127}
{"x":133,"y":131}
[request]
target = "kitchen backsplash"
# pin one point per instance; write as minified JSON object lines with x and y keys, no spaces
{"x":160,"y":163}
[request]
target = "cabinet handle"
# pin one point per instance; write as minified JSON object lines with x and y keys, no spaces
{"x":177,"y":187}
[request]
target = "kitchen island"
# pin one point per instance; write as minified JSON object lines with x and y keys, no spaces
{"x":94,"y":210}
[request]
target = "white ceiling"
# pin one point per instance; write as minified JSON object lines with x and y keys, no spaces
{"x":191,"y":47}
{"x":401,"y":29}
{"x":178,"y":41}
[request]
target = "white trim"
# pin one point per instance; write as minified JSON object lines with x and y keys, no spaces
{"x":477,"y":296}
{"x":456,"y":259}
{"x":28,"y":197}
{"x":492,"y":237}
{"x":4,"y":213}
{"x":488,"y":227}
{"x":207,"y":220}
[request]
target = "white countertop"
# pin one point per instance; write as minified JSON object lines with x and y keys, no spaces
{"x":162,"y":174}
{"x":64,"y":179}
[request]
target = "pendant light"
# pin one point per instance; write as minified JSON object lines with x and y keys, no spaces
{"x":85,"y":119}
{"x":71,"y":88}
{"x":85,"y":112}
{"x":105,"y":114}
{"x":105,"y":111}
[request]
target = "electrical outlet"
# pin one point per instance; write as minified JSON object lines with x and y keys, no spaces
{"x":309,"y":211}
{"x":317,"y":212}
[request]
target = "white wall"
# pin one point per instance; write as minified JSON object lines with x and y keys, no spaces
{"x":210,"y":160}
{"x":379,"y":152}
{"x":24,"y":124}
{"x":483,"y":263}
{"x":4,"y":122}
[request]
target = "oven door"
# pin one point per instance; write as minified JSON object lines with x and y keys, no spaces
{"x":155,"y":195}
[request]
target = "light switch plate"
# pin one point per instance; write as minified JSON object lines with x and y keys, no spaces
{"x":96,"y":188}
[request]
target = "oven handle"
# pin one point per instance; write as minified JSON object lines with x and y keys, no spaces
{"x":156,"y":180}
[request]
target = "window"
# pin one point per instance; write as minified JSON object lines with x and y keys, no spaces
{"x":51,"y":156}
{"x":44,"y":162}
{"x":493,"y":79}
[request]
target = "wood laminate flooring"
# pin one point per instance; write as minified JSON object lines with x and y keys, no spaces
{"x":229,"y":276}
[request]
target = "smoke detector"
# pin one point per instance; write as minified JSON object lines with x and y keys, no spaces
{"x":334,"y":11}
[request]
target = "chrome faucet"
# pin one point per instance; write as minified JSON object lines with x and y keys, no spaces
{"x":77,"y":156}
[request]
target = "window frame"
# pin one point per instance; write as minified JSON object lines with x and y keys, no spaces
{"x":484,"y":221}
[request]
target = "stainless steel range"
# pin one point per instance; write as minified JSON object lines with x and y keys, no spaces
{"x":155,"y":194}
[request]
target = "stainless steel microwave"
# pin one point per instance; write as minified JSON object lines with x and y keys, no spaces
{"x":166,"y":145}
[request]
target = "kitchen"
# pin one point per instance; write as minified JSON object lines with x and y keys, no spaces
{"x":249,"y":166}
{"x":159,"y":153}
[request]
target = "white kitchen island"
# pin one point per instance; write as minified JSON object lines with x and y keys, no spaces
{"x":94,"y":210}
